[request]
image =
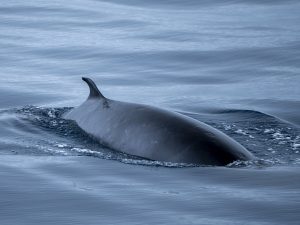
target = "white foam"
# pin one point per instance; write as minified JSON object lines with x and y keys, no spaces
{"x":268,"y":130}
{"x":240,"y":131}
{"x":296,"y":145}
{"x":62,"y":145}
{"x":277,"y":135}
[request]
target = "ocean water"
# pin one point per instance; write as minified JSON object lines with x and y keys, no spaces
{"x":233,"y":64}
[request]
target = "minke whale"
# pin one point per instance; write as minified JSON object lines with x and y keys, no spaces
{"x":154,"y":133}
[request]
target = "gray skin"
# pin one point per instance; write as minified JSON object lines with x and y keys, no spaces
{"x":154,"y":133}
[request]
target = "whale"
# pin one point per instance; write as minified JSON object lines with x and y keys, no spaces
{"x":154,"y":133}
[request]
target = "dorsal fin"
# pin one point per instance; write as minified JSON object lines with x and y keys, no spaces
{"x":94,"y":91}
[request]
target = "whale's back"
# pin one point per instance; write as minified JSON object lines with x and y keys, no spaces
{"x":154,"y":133}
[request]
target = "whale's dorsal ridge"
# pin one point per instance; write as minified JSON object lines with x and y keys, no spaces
{"x":94,"y":91}
{"x":153,"y":133}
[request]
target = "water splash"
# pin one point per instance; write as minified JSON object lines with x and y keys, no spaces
{"x":45,"y":132}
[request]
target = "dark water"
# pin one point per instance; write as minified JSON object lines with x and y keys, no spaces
{"x":232,"y":64}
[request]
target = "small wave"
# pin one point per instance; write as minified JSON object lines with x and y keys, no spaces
{"x":266,"y":136}
{"x":191,"y":4}
{"x":257,"y":163}
{"x":39,"y":131}
{"x":67,"y":139}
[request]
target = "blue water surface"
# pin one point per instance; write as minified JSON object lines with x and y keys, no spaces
{"x":234,"y":64}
